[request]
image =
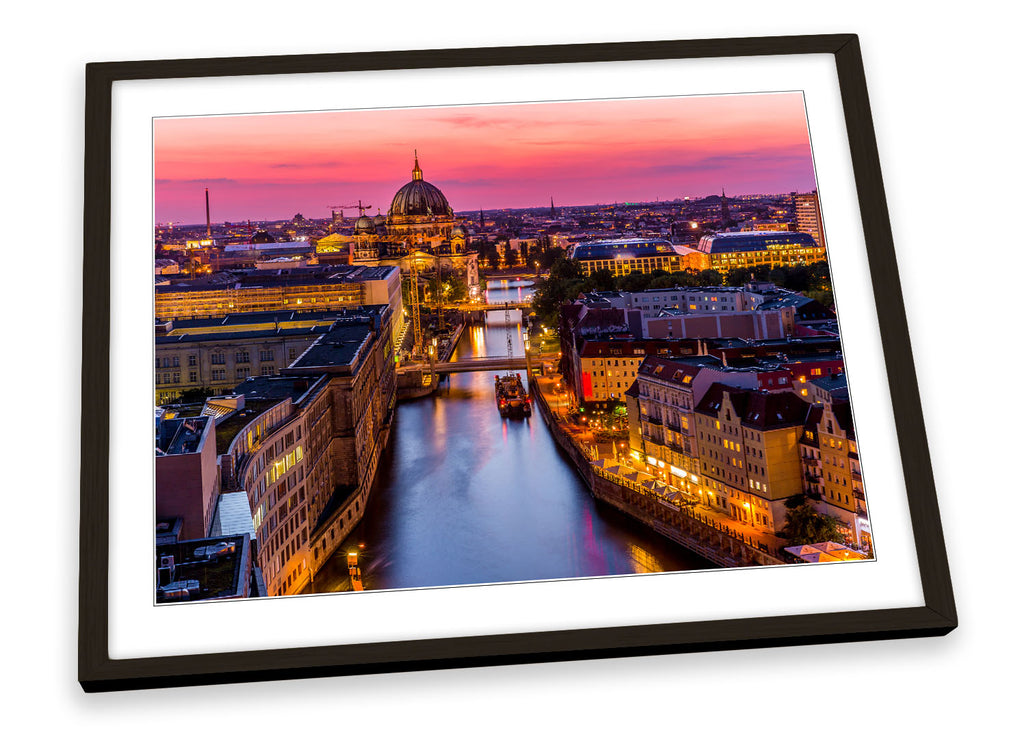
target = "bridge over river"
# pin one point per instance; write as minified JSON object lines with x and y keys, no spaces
{"x":467,"y":364}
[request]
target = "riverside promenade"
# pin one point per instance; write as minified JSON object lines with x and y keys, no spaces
{"x":617,"y":480}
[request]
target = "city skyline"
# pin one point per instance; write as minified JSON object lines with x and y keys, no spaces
{"x":271,"y":166}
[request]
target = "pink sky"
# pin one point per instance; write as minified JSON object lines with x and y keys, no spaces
{"x":269,"y":167}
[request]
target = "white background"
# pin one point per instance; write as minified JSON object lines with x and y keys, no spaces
{"x":942,"y":87}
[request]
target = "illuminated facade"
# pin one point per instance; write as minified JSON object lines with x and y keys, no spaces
{"x":747,"y":444}
{"x":318,"y":288}
{"x":635,"y":255}
{"x":831,"y":465}
{"x":306,"y":461}
{"x":214,"y":353}
{"x":808,"y":216}
{"x":420,"y":227}
{"x":420,"y":214}
{"x":726,"y":251}
{"x":669,"y":388}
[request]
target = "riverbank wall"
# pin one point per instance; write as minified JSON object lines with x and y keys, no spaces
{"x":684,"y":525}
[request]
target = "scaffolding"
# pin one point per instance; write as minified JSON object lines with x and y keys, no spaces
{"x":414,"y":309}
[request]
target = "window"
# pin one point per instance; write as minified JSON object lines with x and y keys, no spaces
{"x":266,"y":370}
{"x":241,"y":356}
{"x":192,"y":360}
{"x":218,"y":375}
{"x":266,"y":355}
{"x":192,"y":378}
{"x":242,"y":373}
{"x":217,"y":359}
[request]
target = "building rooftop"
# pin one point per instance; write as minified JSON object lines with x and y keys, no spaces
{"x":676,"y":370}
{"x":208,"y":568}
{"x":758,"y":409}
{"x":230,"y":426}
{"x":233,"y":516}
{"x":284,"y":318}
{"x":830,"y":383}
{"x":339,"y":347}
{"x":761,"y":240}
{"x":284,"y":277}
{"x":180,"y":435}
{"x":626,"y":248}
{"x":779,"y":345}
{"x":625,"y":345}
{"x":242,"y":335}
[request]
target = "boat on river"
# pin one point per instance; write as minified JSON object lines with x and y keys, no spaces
{"x":510,"y":396}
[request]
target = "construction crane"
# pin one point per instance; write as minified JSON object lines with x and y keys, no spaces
{"x":341,"y":208}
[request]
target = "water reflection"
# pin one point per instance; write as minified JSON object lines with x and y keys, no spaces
{"x":464,"y":496}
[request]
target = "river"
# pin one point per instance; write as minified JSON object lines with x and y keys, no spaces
{"x":465,"y":497}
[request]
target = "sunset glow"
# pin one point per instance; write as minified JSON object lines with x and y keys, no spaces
{"x":267,"y":167}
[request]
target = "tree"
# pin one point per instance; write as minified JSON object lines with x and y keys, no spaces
{"x":196,"y":395}
{"x":804,"y":526}
{"x":603,"y":280}
{"x":709,"y":278}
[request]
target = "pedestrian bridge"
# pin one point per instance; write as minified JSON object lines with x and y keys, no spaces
{"x":467,"y":365}
{"x":493,"y":306}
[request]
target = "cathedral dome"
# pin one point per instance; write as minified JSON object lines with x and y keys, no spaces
{"x":419,"y":198}
{"x":365,"y":224}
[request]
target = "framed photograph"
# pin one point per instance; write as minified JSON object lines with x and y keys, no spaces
{"x":487,"y":356}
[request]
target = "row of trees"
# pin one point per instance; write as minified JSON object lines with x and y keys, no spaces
{"x":543,"y":251}
{"x":566,"y":282}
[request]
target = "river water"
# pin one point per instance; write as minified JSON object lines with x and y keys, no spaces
{"x":464,"y":496}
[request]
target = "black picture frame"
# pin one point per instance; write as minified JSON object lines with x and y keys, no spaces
{"x":99,"y":672}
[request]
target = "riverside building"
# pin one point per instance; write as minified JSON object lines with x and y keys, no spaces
{"x":747,"y":446}
{"x":302,"y":447}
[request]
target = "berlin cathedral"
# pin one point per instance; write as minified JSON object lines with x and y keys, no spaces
{"x":419,"y":235}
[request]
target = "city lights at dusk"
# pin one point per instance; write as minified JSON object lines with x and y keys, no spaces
{"x":429,"y":347}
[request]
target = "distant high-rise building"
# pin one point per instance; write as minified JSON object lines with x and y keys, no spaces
{"x":808,"y":216}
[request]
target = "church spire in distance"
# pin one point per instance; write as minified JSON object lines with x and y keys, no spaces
{"x":417,"y":173}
